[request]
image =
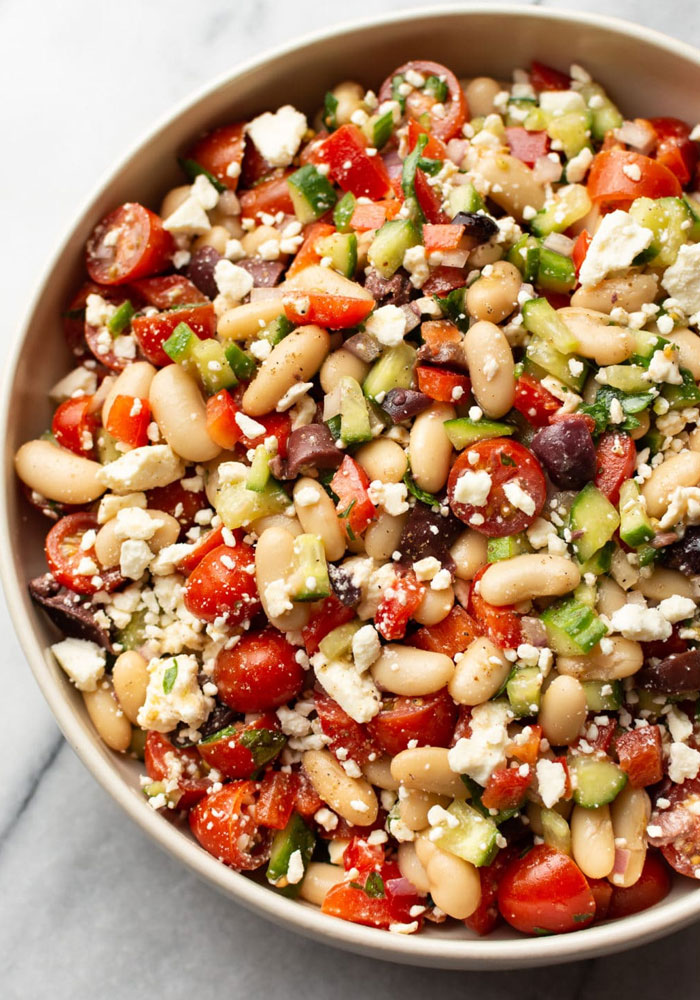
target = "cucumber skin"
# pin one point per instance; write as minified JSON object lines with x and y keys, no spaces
{"x":589,"y":773}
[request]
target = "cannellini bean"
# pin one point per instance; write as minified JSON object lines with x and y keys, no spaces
{"x":630,"y":811}
{"x":135,"y":381}
{"x":494,"y":296}
{"x":678,"y":470}
{"x":274,"y":562}
{"x":479,"y":673}
{"x":352,"y":798}
{"x":597,"y":337}
{"x":665,"y":583}
{"x":562,"y":710}
{"x":337,"y":365}
{"x":180,"y":412}
{"x":319,"y":518}
{"x":490,"y":362}
{"x":290,"y":524}
{"x":521,"y":578}
{"x":295,"y":359}
{"x":245,"y":322}
{"x":58,"y":474}
{"x":455,"y":884}
{"x":624,"y":659}
{"x":319,"y":880}
{"x":694,"y":440}
{"x":412,"y":672}
{"x":211,"y":473}
{"x":173,"y":199}
{"x":411,"y":868}
{"x":108,"y":544}
{"x":512,"y":183}
{"x":383,"y":459}
{"x":630,"y":293}
{"x":430,"y":450}
{"x":611,"y":597}
{"x":593,"y":840}
{"x":644,"y":424}
{"x":428,"y":770}
{"x":469,"y":554}
{"x":253,"y":240}
{"x":480,"y":94}
{"x":378,"y":772}
{"x":217,"y":237}
{"x":316,"y":278}
{"x":414,"y":807}
{"x":349,"y":96}
{"x":434,"y":606}
{"x":688,"y":344}
{"x":383,"y":535}
{"x":107,"y":717}
{"x":130,"y":679}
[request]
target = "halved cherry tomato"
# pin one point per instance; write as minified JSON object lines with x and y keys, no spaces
{"x":241,"y":749}
{"x":180,"y":503}
{"x":376,"y":899}
{"x":225,"y":431}
{"x":342,"y":731}
{"x":527,"y":146}
{"x":430,"y":720}
{"x":64,"y":554}
{"x":506,"y":462}
{"x":329,"y":615}
{"x":362,"y":855}
{"x":602,"y":894}
{"x":615,"y":457}
{"x":545,"y":892}
{"x":486,"y":916}
{"x":223,"y":586}
{"x":442,"y":385}
{"x":224,"y":825}
{"x":450,"y":636}
{"x":345,"y":152}
{"x":455,"y":111}
{"x":610,"y":184}
{"x":221,"y":153}
{"x":536,"y":403}
{"x":506,"y":788}
{"x":206,"y":544}
{"x":683,"y":853}
{"x":653,"y":885}
{"x":429,"y":199}
{"x":275,"y":804}
{"x":74,"y":426}
{"x":270,"y":197}
{"x":336,"y":312}
{"x":398,"y":604}
{"x":307,"y":253}
{"x":100,"y":341}
{"x":639,"y":753}
{"x":306,"y":799}
{"x":349,"y":484}
{"x":502,"y":625}
{"x":435,"y":149}
{"x":166,"y":762}
{"x":543,"y":77}
{"x":259,"y":673}
{"x":168,"y":291}
{"x":578,"y":254}
{"x":128,"y":420}
{"x":74,"y":317}
{"x":674,"y":147}
{"x":151,"y":332}
{"x":128,"y":243}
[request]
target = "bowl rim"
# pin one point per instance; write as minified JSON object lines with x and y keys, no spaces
{"x":306,"y":919}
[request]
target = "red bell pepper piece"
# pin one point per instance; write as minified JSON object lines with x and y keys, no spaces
{"x":397,"y":606}
{"x":442,"y":237}
{"x":639,"y":753}
{"x":674,"y":148}
{"x":543,"y":77}
{"x":128,"y":420}
{"x":506,"y":788}
{"x":337,"y":312}
{"x":222,"y":427}
{"x":526,"y":748}
{"x":276,"y":800}
{"x":269,"y":197}
{"x":354,"y":507}
{"x":330,"y":615}
{"x":527,"y":146}
{"x":535,"y":402}
{"x":609,"y":184}
{"x":615,"y":459}
{"x":345,"y":152}
{"x":435,"y":149}
{"x":442,"y":385}
{"x":450,"y":636}
{"x":307,"y":253}
{"x":444,"y":280}
{"x":502,"y":625}
{"x":578,"y":255}
{"x":429,"y":199}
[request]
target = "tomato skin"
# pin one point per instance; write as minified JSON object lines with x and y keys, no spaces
{"x":505,"y":461}
{"x":440,"y":384}
{"x":329,"y":615}
{"x":602,"y":894}
{"x":653,"y":885}
{"x":502,"y":624}
{"x":168,"y":291}
{"x":64,"y":554}
{"x":74,"y":426}
{"x":486,"y":916}
{"x":225,"y":751}
{"x":362,"y":855}
{"x":222,"y":821}
{"x":398,"y":605}
{"x":527,"y":146}
{"x":545,"y":891}
{"x":350,"y":484}
{"x":608,"y":182}
{"x":206,"y":544}
{"x":349,"y":902}
{"x":674,"y":147}
{"x":429,"y":199}
{"x":151,"y":332}
{"x":142,"y":246}
{"x":536,"y":403}
{"x":615,"y":459}
{"x":160,"y":754}
{"x":435,"y":149}
{"x":456,"y":110}
{"x":259,"y":673}
{"x":306,"y":798}
{"x":128,"y":420}
{"x":430,"y":720}
{"x":223,"y":429}
{"x":223,"y":586}
{"x":578,"y":255}
{"x":336,"y":312}
{"x":217,"y":150}
{"x":271,"y":196}
{"x":543,"y":77}
{"x":276,"y":799}
{"x":506,"y":788}
{"x":350,"y":167}
{"x":342,"y":731}
{"x":307,"y":254}
{"x":450,"y":636}
{"x":639,"y":754}
{"x":180,"y":503}
{"x":444,"y":280}
{"x":683,"y":854}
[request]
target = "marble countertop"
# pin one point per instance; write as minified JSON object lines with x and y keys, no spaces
{"x":86,"y":900}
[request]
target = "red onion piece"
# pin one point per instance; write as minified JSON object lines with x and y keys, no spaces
{"x":641,"y":137}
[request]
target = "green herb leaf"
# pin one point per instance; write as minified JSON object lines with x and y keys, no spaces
{"x":374,"y":886}
{"x":580,"y":918}
{"x":121,"y":318}
{"x":396,"y":95}
{"x":506,"y":459}
{"x":408,"y":178}
{"x":431,"y":167}
{"x":631,"y":404}
{"x":383,"y":127}
{"x":169,"y":678}
{"x":454,"y":308}
{"x":330,"y":106}
{"x":264,"y":744}
{"x":437,"y":88}
{"x":192,"y":169}
{"x":428,"y":498}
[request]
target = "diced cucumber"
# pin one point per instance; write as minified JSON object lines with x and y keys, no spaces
{"x":473,"y":839}
{"x":507,"y":547}
{"x":681,"y":396}
{"x":133,"y":635}
{"x":555,"y":831}
{"x":569,"y":204}
{"x":337,"y":645}
{"x":555,"y":271}
{"x":238,"y":506}
{"x":647,"y":555}
{"x":394,"y":370}
{"x":309,"y":581}
{"x":573,"y":628}
{"x":107,"y":447}
{"x":311,"y":192}
{"x":121,"y":319}
{"x":354,"y":416}
{"x":341,"y":249}
{"x":572,"y":130}
{"x":594,"y":515}
{"x":597,"y":700}
{"x":549,"y":361}
{"x":242,"y":365}
{"x":627,"y":378}
{"x":464,"y":198}
{"x":179,"y":344}
{"x":586,"y":594}
{"x":524,"y":690}
{"x":296,"y":836}
{"x":209,"y":364}
{"x":635,"y":526}
{"x":542,"y":320}
{"x":596,"y":782}
{"x":525,"y":255}
{"x":671,"y":222}
{"x":600,"y":562}
{"x":537,"y":120}
{"x":343,"y":212}
{"x":277,"y":329}
{"x":378,"y":129}
{"x":653,"y":440}
{"x":387,"y":249}
{"x":462,"y":431}
{"x":259,"y":474}
{"x":605,"y":116}
{"x":646,"y":343}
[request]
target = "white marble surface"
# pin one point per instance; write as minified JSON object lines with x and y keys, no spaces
{"x":86,"y":902}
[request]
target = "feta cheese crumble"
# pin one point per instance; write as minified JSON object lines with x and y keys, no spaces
{"x":618,"y":240}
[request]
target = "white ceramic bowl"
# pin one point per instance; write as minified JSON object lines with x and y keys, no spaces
{"x":647,"y":74}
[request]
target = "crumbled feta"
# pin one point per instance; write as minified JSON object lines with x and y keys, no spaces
{"x":261,"y":349}
{"x":277,"y":600}
{"x":559,"y":102}
{"x":82,"y":660}
{"x":679,"y":725}
{"x":366,"y":647}
{"x":134,"y":522}
{"x":473,"y":488}
{"x":388,"y":325}
{"x":293,"y":395}
{"x":295,"y":868}
{"x":684,"y":762}
{"x":134,"y":558}
{"x":577,"y":167}
{"x":142,"y":469}
{"x":249,"y":427}
{"x":80,"y":382}
{"x":355,"y":692}
{"x":677,"y":608}
{"x":168,"y":558}
{"x":485,"y":750}
{"x":391,"y":496}
{"x":618,"y":240}
{"x":307,"y":496}
{"x":634,"y":621}
{"x":551,"y":781}
{"x":188,"y":219}
{"x":441,"y":580}
{"x":415,"y":262}
{"x":682,"y":279}
{"x":426,"y":569}
{"x":683,"y":505}
{"x":278,"y":136}
{"x":519,"y":497}
{"x":232,"y":281}
{"x":663,"y":367}
{"x":173,"y":695}
{"x":97,"y":310}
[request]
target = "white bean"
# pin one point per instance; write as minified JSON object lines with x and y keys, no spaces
{"x":688,"y":344}
{"x":597,"y":337}
{"x":430,"y":450}
{"x":319,"y":518}
{"x":108,"y":544}
{"x":58,"y":474}
{"x":130,"y":679}
{"x":244,"y":322}
{"x":319,"y":880}
{"x":107,"y":717}
{"x":479,"y":673}
{"x":378,"y":772}
{"x":665,"y":583}
{"x":630,"y":813}
{"x":523,"y":577}
{"x":352,"y":798}
{"x":274,"y":562}
{"x":678,"y":470}
{"x":412,"y":672}
{"x":428,"y":770}
{"x":630,"y":293}
{"x":562,"y":710}
{"x":480,"y":94}
{"x":624,"y":659}
{"x":337,"y":365}
{"x":180,"y":412}
{"x":494,"y":296}
{"x":469,"y":554}
{"x":491,"y":367}
{"x":593,"y":840}
{"x":435,"y":605}
{"x":512,"y":183}
{"x":411,"y":868}
{"x":383,"y":459}
{"x":414,"y":807}
{"x":295,"y":359}
{"x":383,"y":535}
{"x":455,"y":884}
{"x":611,"y":597}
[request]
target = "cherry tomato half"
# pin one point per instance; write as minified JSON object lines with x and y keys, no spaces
{"x":239,"y":750}
{"x":430,"y":720}
{"x":455,"y":110}
{"x":545,"y":892}
{"x":223,"y":586}
{"x":164,"y":761}
{"x":651,"y":887}
{"x":64,"y":554}
{"x":223,"y":824}
{"x":128,"y":243}
{"x":74,"y":426}
{"x":180,"y":503}
{"x":259,"y":673}
{"x":683,"y":853}
{"x":615,"y":459}
{"x":342,"y":731}
{"x":221,"y":153}
{"x":506,"y":462}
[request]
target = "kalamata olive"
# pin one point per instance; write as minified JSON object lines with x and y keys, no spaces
{"x":567,"y":452}
{"x":221,"y":717}
{"x":265,"y":273}
{"x":685,"y":554}
{"x":200,"y":270}
{"x":478,"y":226}
{"x":428,"y":533}
{"x":75,"y":618}
{"x":312,"y":445}
{"x":394,"y":291}
{"x":402,"y":404}
{"x":364,"y":346}
{"x":444,"y":354}
{"x":675,"y":674}
{"x":344,"y":589}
